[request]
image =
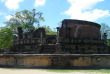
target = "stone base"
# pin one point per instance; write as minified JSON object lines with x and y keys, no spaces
{"x":56,"y":60}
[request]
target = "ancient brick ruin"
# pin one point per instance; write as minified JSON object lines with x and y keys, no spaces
{"x":77,"y":44}
{"x":73,"y":37}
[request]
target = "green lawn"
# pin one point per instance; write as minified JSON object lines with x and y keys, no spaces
{"x":63,"y":71}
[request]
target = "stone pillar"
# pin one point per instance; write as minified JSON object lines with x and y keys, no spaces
{"x":81,"y":36}
{"x":58,"y":46}
{"x":31,"y":33}
{"x":104,"y":37}
{"x":69,"y":29}
{"x":20,"y":37}
{"x":41,"y":37}
{"x":14,"y":39}
{"x":31,"y":37}
{"x":66,"y":30}
{"x":20,"y":33}
{"x":57,"y":34}
{"x":25,"y":36}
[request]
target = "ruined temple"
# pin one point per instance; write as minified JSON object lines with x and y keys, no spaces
{"x":78,"y":43}
{"x":74,"y":37}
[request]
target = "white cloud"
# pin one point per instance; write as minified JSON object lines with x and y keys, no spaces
{"x":12,"y":4}
{"x":39,"y":3}
{"x":8,"y":17}
{"x":82,"y":10}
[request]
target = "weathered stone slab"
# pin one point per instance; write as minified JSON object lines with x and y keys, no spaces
{"x":46,"y":60}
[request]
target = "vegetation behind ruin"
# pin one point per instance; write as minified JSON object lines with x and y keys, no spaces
{"x":26,"y":19}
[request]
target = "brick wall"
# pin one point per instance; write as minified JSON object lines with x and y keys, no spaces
{"x":45,"y":61}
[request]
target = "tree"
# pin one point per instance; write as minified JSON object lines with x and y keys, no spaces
{"x":49,"y":31}
{"x":25,"y":19}
{"x":105,"y":29}
{"x":6,"y":38}
{"x":108,"y":42}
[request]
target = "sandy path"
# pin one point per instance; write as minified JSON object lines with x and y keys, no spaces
{"x":37,"y":71}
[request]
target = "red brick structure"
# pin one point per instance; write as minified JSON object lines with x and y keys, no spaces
{"x":80,"y":29}
{"x":77,"y":43}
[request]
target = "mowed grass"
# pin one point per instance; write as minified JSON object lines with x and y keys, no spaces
{"x":66,"y":71}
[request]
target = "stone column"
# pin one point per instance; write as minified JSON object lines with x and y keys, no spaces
{"x":41,"y":37}
{"x":14,"y":39}
{"x":57,"y":34}
{"x":31,"y":37}
{"x":66,"y":30}
{"x":20,"y":31}
{"x":58,"y":46}
{"x":105,"y":38}
{"x":69,"y":29}
{"x":81,"y":36}
{"x":20,"y":37}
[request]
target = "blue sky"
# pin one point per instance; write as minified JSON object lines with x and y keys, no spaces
{"x":54,"y":11}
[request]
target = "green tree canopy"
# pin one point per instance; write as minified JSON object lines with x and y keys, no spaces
{"x":49,"y":31}
{"x":25,"y":19}
{"x":105,"y":29}
{"x":6,"y":38}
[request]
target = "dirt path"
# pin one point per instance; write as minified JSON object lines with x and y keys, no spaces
{"x":37,"y":71}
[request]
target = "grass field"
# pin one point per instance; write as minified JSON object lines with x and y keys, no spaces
{"x":66,"y":71}
{"x":52,"y":71}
